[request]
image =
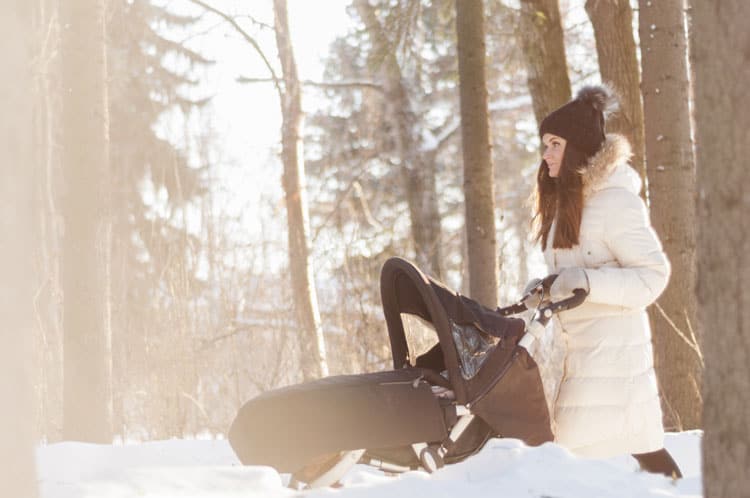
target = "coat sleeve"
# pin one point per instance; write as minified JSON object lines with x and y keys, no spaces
{"x":644,"y":268}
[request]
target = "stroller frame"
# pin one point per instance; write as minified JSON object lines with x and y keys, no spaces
{"x":431,"y":458}
{"x":503,"y":396}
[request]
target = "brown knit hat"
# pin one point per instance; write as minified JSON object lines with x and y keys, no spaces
{"x":581,"y":121}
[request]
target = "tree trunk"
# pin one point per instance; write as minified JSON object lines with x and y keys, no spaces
{"x":618,"y":65}
{"x":314,"y":364}
{"x":17,"y":461}
{"x":86,"y":322}
{"x":479,"y":185}
{"x":719,"y":35}
{"x":543,"y":48}
{"x":48,"y":306}
{"x":418,"y":169}
{"x":671,"y":191}
{"x":424,"y":213}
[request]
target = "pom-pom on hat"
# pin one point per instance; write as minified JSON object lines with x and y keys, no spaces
{"x":581,"y":121}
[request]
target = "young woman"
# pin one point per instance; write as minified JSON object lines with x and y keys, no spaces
{"x":596,"y":235}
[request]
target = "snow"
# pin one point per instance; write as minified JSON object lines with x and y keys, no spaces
{"x":209,"y":469}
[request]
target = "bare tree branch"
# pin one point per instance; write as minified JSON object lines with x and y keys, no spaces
{"x":247,"y":38}
{"x":198,"y":34}
{"x":256,"y":22}
{"x":446,"y":131}
{"x":453,"y":123}
{"x":343,"y":195}
{"x":692,"y":344}
{"x":355,"y":84}
{"x":366,"y":208}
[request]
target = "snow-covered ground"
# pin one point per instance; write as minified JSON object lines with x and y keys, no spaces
{"x":209,"y":469}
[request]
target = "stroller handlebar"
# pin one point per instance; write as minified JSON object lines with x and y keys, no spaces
{"x":541,"y":289}
{"x":546,"y":312}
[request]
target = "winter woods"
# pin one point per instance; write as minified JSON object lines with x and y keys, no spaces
{"x":201,"y":205}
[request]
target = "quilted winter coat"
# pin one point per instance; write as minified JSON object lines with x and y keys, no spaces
{"x":608,"y":402}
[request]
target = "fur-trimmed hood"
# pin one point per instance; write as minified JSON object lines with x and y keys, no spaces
{"x":610,"y":167}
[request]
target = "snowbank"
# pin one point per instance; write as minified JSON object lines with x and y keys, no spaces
{"x":209,"y":469}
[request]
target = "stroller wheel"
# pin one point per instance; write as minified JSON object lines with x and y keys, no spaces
{"x":431,"y":459}
{"x":325,"y":470}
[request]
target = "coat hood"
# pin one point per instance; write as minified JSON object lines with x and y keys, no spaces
{"x":610,"y":167}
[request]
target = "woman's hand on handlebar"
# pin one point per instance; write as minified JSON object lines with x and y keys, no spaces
{"x":567,"y":281}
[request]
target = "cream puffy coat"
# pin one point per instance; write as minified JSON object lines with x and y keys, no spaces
{"x":608,"y":401}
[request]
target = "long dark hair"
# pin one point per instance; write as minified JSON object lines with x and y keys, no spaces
{"x":561,"y":197}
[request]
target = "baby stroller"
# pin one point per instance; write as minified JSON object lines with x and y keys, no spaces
{"x":478,"y":381}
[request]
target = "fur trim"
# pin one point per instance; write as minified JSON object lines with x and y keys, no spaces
{"x":615,"y":151}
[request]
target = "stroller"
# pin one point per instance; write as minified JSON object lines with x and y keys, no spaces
{"x":477,"y":382}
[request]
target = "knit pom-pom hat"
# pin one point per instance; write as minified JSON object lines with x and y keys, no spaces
{"x":581,"y":121}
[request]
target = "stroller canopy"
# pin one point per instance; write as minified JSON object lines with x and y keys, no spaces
{"x":405,"y":289}
{"x":505,"y":388}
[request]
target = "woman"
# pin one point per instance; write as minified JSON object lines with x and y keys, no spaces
{"x":596,"y":235}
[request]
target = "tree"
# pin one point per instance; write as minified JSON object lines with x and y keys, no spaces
{"x":363,"y":169}
{"x":154,"y":284}
{"x":417,"y":162}
{"x":479,"y":185}
{"x":313,"y":343}
{"x":722,"y":126}
{"x":17,"y":475}
{"x":672,"y":197}
{"x":87,"y":227}
{"x":543,"y":47}
{"x":353,"y":137}
{"x":618,"y":65}
{"x":48,"y":337}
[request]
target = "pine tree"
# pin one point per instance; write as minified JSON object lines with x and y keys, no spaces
{"x":417,"y":166}
{"x":153,"y":277}
{"x":360,"y":216}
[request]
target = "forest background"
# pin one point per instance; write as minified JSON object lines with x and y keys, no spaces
{"x":157,"y":277}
